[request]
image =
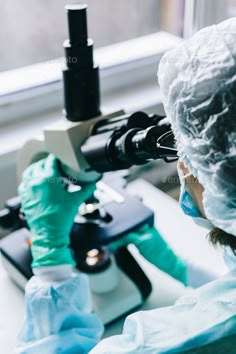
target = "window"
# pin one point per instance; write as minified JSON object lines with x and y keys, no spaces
{"x":32,"y":31}
{"x":231,"y":8}
{"x":202,"y":13}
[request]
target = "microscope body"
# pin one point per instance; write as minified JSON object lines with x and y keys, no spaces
{"x":88,"y":144}
{"x":64,"y":139}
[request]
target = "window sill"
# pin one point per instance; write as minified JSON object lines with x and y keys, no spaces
{"x":35,"y":90}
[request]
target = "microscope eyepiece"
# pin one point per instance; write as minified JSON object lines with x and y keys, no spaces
{"x":77,"y":24}
{"x":134,"y":142}
{"x":80,"y":75}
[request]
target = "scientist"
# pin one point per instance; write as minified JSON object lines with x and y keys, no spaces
{"x":198,"y":83}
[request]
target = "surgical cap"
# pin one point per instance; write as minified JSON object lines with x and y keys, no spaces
{"x":198,"y":85}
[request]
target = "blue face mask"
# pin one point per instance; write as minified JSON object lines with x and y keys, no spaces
{"x":189,"y":207}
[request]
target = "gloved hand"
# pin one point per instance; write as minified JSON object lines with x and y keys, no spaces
{"x":153,"y":247}
{"x":50,"y":210}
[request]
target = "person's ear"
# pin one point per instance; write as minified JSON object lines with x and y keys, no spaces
{"x":183,"y":168}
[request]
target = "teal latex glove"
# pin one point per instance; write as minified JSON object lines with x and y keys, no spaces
{"x":50,"y":210}
{"x":153,"y":247}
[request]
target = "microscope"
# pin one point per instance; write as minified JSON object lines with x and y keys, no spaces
{"x":93,"y":148}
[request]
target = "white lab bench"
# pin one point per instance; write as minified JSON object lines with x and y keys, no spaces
{"x":183,"y":235}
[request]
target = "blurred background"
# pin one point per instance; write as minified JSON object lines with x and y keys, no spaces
{"x":32,"y":31}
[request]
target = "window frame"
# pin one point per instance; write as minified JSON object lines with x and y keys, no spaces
{"x":202,"y":13}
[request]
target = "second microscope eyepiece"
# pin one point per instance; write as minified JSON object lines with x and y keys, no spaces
{"x":136,"y":140}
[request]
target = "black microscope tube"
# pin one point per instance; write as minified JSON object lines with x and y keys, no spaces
{"x":77,"y":24}
{"x":80,"y":75}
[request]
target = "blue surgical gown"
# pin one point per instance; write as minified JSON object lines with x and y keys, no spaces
{"x":59,"y":320}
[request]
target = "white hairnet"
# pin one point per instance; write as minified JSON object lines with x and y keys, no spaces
{"x":198,"y":84}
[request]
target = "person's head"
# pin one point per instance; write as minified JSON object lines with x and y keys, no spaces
{"x":217,"y":236}
{"x":198,"y":84}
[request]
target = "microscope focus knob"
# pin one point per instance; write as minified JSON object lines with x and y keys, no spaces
{"x":10,"y":215}
{"x":6,"y":218}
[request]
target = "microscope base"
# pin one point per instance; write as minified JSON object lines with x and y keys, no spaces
{"x":15,"y":274}
{"x":109,"y":306}
{"x":133,"y":288}
{"x":119,"y":302}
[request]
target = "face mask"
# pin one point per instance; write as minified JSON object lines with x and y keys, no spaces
{"x":229,"y":258}
{"x":188,"y":206}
